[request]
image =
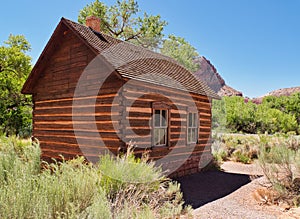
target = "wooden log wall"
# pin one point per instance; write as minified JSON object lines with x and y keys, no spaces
{"x":53,"y":99}
{"x":138,"y":99}
{"x":120,"y":117}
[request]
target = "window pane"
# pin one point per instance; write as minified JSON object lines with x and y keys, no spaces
{"x":155,"y":136}
{"x":162,"y":137}
{"x":195,"y":135}
{"x":165,"y":136}
{"x":190,"y":122}
{"x":160,"y":128}
{"x":192,"y":135}
{"x":164,"y":118}
{"x":157,"y":118}
{"x":193,"y":119}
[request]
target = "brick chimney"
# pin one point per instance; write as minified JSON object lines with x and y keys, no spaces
{"x":93,"y":22}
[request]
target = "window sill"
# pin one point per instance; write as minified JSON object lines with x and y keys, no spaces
{"x":191,"y":144}
{"x":159,"y":147}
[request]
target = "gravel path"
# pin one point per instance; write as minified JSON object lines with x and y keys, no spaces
{"x":238,"y":204}
{"x":228,"y":194}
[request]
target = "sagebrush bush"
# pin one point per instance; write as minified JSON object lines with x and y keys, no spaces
{"x":220,"y":155}
{"x":119,"y":172}
{"x":245,"y":148}
{"x":236,"y":147}
{"x":27,"y":192}
{"x":281,"y":166}
{"x":122,"y":187}
{"x":138,"y":189}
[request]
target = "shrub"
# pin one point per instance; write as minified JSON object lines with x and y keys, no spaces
{"x":151,"y":194}
{"x":239,"y":156}
{"x":236,"y":147}
{"x":281,"y":166}
{"x":220,"y":155}
{"x":245,"y":148}
{"x":61,"y":190}
{"x":124,"y":187}
{"x":119,"y":172}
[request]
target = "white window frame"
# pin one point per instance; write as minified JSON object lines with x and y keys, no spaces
{"x":161,"y":126}
{"x":192,"y":127}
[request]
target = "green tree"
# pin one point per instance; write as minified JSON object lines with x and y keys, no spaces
{"x":183,"y":52}
{"x":240,"y":115}
{"x":294,"y":106}
{"x":273,"y":120}
{"x":274,"y":115}
{"x":286,"y":104}
{"x":219,"y":115}
{"x":15,"y":65}
{"x":123,"y":21}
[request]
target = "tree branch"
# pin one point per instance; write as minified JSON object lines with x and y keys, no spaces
{"x":143,"y":44}
{"x":109,"y":28}
{"x":123,"y":24}
{"x":135,"y":36}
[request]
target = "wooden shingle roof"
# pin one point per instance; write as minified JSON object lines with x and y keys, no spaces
{"x":135,"y":62}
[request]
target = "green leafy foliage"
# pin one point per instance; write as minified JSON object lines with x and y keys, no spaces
{"x":286,"y":104}
{"x":123,"y":21}
{"x":219,"y":115}
{"x":240,"y":116}
{"x":15,"y":65}
{"x":274,"y":115}
{"x":179,"y":49}
{"x":273,"y":120}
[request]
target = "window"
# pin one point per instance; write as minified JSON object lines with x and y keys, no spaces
{"x":160,"y":127}
{"x":192,"y":128}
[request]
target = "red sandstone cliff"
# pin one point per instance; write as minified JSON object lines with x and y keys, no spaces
{"x":210,"y":75}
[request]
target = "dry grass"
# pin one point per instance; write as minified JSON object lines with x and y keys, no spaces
{"x":265,"y":196}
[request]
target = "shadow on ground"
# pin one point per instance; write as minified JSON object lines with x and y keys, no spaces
{"x":201,"y":188}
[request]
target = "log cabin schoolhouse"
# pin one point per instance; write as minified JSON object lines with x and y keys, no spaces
{"x":144,"y":97}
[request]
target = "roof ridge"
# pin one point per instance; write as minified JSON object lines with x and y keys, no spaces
{"x":133,"y":61}
{"x":127,"y":42}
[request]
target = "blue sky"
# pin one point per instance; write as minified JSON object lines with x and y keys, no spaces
{"x":254,"y":44}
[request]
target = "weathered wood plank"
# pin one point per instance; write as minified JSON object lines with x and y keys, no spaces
{"x":72,"y":141}
{"x":143,"y":86}
{"x":70,"y":117}
{"x":102,"y":126}
{"x":79,"y":111}
{"x":37,"y":129}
